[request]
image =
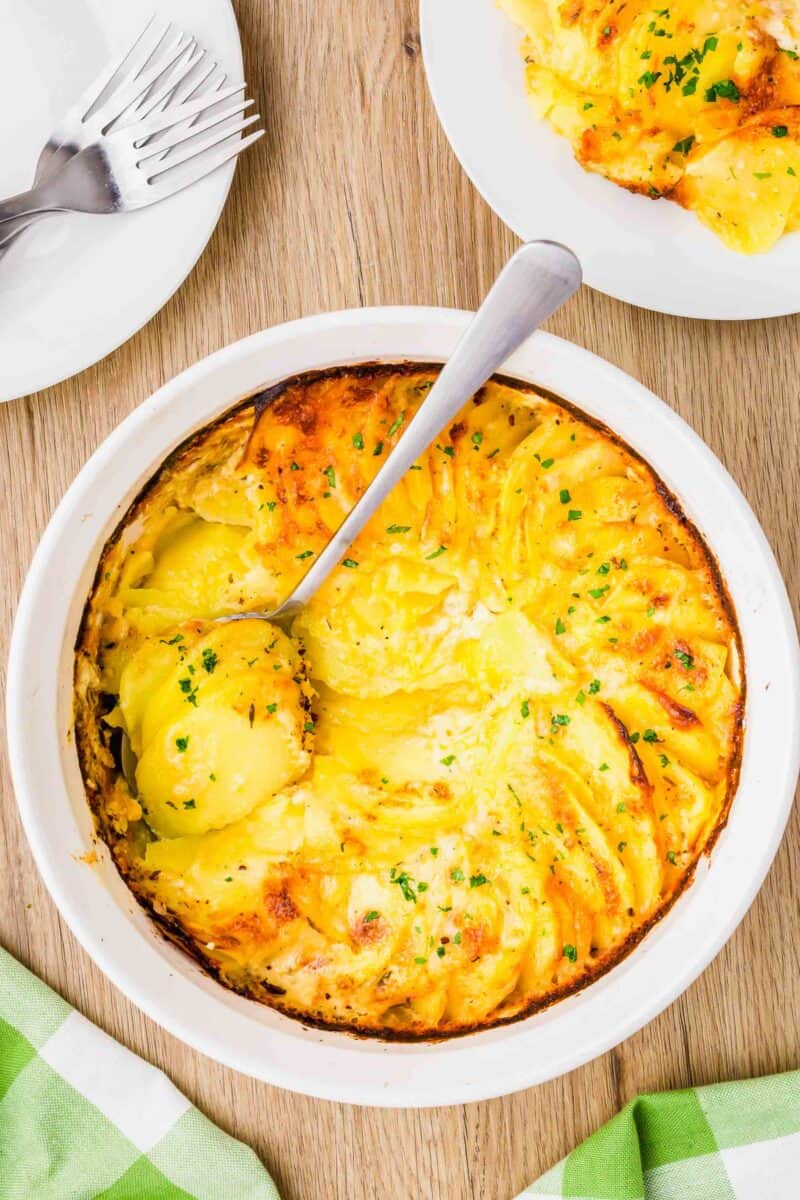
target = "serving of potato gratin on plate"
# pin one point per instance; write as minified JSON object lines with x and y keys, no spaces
{"x":696,"y":101}
{"x":491,"y":751}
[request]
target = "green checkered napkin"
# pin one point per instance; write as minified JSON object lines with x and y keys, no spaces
{"x":81,"y":1118}
{"x":731,"y":1141}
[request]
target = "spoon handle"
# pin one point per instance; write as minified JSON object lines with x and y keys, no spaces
{"x":535,"y":281}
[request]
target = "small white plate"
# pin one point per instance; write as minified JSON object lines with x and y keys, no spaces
{"x":77,"y":286}
{"x":255,"y":1039}
{"x":649,"y":252}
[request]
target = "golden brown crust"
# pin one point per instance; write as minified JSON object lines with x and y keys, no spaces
{"x":282,"y":907}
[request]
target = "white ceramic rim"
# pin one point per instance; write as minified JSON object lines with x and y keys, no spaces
{"x":650,"y":253}
{"x":249,"y":1037}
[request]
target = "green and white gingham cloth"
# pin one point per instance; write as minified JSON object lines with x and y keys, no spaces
{"x":81,"y":1118}
{"x":729,"y":1141}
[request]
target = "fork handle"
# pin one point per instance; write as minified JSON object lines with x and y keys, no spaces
{"x":32,"y":203}
{"x":14,"y":226}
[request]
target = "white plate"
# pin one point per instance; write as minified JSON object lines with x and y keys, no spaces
{"x":649,"y":252}
{"x":77,"y":286}
{"x":248,"y":1036}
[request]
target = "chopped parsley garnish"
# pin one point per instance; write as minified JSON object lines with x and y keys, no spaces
{"x":189,"y":692}
{"x":376,"y":453}
{"x":305,"y":554}
{"x":457,"y":938}
{"x":684,"y":145}
{"x":404,"y":882}
{"x":358,"y":441}
{"x":440,"y":951}
{"x":271,"y":708}
{"x":622,"y":807}
{"x":564,"y":496}
{"x":448,"y":760}
{"x":330,"y":475}
{"x":569,"y":952}
{"x":602,"y":620}
{"x":457,"y":875}
{"x":560,"y":626}
{"x":525,"y":708}
{"x":182,"y":743}
{"x":604,"y":767}
{"x":398,"y":528}
{"x":671,"y":858}
{"x":724,"y":89}
{"x":581,"y":697}
{"x":650,"y":735}
{"x":546,"y":463}
{"x":779,"y":131}
{"x":190,"y":804}
{"x":349,"y":562}
{"x":436,"y":553}
{"x":597,"y":593}
{"x":477,"y":880}
{"x":574,"y":514}
{"x":686,"y":660}
{"x":396,"y":423}
{"x":559,"y":719}
{"x":173,"y":641}
{"x":371,"y":916}
{"x":594,"y":687}
{"x":477,"y":438}
{"x":649,"y":78}
{"x":663,"y":760}
{"x":420,"y":960}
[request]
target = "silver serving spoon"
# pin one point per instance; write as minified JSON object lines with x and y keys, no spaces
{"x":535,"y":281}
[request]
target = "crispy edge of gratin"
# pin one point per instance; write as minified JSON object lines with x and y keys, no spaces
{"x":98,"y":764}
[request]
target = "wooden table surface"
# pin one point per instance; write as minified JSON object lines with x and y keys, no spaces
{"x":355,"y":198}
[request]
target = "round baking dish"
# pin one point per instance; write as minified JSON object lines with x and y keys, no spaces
{"x":257,"y":1040}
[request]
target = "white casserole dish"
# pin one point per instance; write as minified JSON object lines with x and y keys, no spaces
{"x":252,"y":1038}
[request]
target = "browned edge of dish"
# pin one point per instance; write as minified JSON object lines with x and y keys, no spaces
{"x":170,"y":927}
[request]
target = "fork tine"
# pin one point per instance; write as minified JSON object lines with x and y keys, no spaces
{"x":164,"y":185}
{"x":207,"y":143}
{"x":136,"y":87}
{"x":179,"y":136}
{"x":174,"y":114}
{"x":189,"y":89}
{"x":134,"y":58}
{"x":166,"y":86}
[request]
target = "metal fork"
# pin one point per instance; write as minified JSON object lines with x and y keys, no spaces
{"x":92,"y":112}
{"x":124,"y":143}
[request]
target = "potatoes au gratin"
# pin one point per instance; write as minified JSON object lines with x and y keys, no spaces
{"x":695,"y":100}
{"x":489,"y":754}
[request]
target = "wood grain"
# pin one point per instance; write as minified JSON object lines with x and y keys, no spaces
{"x":354,"y":198}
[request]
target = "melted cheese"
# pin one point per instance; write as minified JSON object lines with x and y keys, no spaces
{"x":696,"y":101}
{"x":491,"y":753}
